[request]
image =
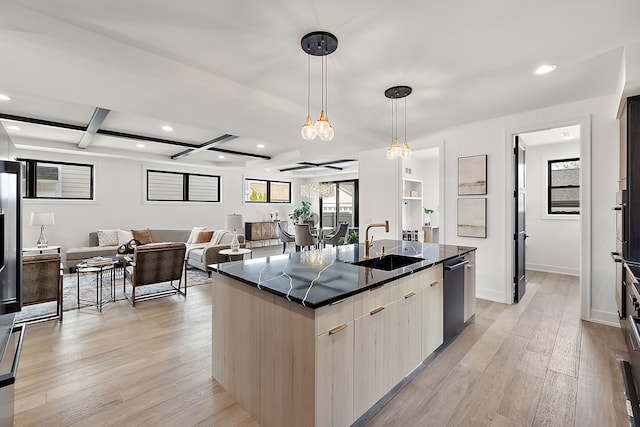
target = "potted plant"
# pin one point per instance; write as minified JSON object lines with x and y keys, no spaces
{"x":302,"y":214}
{"x":349,"y":239}
{"x":427,"y":216}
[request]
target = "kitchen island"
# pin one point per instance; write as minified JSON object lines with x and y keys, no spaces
{"x":311,"y":339}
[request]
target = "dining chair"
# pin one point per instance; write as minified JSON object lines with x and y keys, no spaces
{"x":285,"y":237}
{"x":304,"y":238}
{"x":336,"y":234}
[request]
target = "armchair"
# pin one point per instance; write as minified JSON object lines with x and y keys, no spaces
{"x":156,"y":263}
{"x":42,"y":282}
{"x":285,"y":237}
{"x":336,"y":234}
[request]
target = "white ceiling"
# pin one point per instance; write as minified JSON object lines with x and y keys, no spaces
{"x":214,"y":68}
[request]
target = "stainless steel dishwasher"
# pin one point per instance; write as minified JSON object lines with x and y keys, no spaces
{"x":453,"y":297}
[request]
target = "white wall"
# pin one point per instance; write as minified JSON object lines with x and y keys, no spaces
{"x":553,"y":244}
{"x":380,"y":186}
{"x":120,"y":201}
{"x":494,"y":138}
{"x":6,"y":146}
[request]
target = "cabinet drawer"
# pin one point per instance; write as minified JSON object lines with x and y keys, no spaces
{"x":334,"y":315}
{"x":429,"y":276}
{"x":372,"y":299}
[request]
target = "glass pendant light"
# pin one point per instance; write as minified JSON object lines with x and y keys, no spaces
{"x":395,"y":150}
{"x":308,"y":131}
{"x":319,"y":43}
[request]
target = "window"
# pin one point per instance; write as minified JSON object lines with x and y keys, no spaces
{"x":343,"y":206}
{"x":56,"y":180}
{"x":265,"y":191}
{"x":165,"y":186}
{"x":563,"y":193}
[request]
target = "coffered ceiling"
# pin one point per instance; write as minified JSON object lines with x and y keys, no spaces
{"x":210,"y":69}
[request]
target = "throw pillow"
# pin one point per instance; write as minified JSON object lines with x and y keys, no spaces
{"x":194,"y":234}
{"x":124,"y":236}
{"x":143,"y":236}
{"x":107,"y":237}
{"x":204,"y":237}
{"x":217,"y":236}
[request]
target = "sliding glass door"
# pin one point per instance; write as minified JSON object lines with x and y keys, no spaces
{"x":343,"y":206}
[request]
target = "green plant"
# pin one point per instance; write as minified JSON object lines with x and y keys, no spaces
{"x":428,"y":211}
{"x":349,"y":239}
{"x":301,"y":214}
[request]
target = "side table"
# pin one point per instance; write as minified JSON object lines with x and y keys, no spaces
{"x":228,"y":253}
{"x":100,"y":271}
{"x":50,"y":248}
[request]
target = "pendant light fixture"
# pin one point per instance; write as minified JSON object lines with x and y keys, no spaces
{"x":395,"y":150}
{"x":318,"y":43}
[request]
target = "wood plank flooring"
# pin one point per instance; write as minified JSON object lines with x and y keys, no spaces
{"x":531,"y":364}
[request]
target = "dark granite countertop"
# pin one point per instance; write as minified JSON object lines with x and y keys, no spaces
{"x":320,"y":277}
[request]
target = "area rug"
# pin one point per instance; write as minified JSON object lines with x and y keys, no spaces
{"x":195,"y":277}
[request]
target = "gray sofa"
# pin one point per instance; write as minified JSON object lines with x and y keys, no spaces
{"x":198,"y":255}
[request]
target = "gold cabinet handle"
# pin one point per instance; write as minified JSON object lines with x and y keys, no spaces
{"x":337,"y":302}
{"x":337,"y":329}
{"x":409,"y":295}
{"x":434,"y":283}
{"x":376,"y":310}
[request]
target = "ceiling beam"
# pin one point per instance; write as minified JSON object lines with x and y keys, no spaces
{"x":41,"y":122}
{"x":99,"y":114}
{"x":204,"y":146}
{"x":125,"y":135}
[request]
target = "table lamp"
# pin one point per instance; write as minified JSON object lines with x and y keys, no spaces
{"x":42,"y":219}
{"x":234,"y":221}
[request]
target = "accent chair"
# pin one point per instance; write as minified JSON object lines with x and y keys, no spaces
{"x":42,"y":282}
{"x":304,"y":238}
{"x":156,"y":263}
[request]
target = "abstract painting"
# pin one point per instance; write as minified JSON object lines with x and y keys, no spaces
{"x":472,"y":175}
{"x":472,"y":217}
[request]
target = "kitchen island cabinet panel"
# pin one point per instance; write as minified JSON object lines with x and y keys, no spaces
{"x":432,"y":317}
{"x":335,"y":376}
{"x":469,"y":286}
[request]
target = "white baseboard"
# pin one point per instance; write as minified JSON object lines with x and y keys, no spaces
{"x":605,"y":318}
{"x":554,"y":269}
{"x":491,"y":295}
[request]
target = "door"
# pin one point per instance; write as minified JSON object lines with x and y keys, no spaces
{"x":519,"y":236}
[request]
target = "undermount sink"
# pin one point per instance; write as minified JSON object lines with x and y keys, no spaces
{"x":388,"y":262}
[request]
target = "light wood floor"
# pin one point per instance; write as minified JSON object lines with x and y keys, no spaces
{"x":534,"y":363}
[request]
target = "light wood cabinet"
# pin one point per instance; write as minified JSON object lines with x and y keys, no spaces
{"x":334,"y":376}
{"x":432,"y":312}
{"x":409,"y":348}
{"x":470,"y":286}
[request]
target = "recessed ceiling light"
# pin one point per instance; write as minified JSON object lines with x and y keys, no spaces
{"x":140,"y":145}
{"x":260,"y":145}
{"x":4,"y":97}
{"x":545,"y":69}
{"x":13,"y":127}
{"x":167,"y":128}
{"x":221,"y":157}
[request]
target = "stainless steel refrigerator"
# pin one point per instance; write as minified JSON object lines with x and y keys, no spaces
{"x":11,"y":335}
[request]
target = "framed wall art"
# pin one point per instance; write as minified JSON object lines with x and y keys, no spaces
{"x":472,"y":175}
{"x":472,"y":217}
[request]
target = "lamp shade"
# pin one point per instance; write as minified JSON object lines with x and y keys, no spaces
{"x":234,"y":222}
{"x":42,"y":218}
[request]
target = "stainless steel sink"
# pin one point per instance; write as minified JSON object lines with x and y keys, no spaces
{"x":388,"y":262}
